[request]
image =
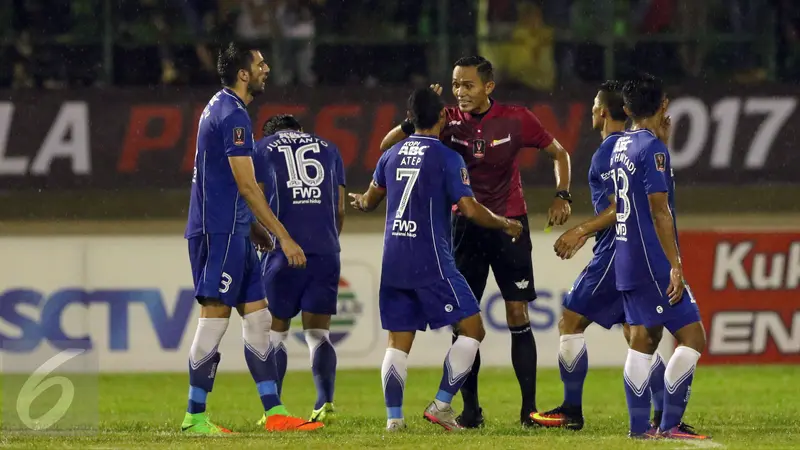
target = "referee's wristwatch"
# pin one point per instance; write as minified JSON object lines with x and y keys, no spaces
{"x":564,"y":195}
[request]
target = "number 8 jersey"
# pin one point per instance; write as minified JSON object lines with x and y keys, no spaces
{"x":301,"y":174}
{"x":640,"y":165}
{"x":423,"y":180}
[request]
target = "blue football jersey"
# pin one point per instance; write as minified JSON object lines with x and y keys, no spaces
{"x":301,"y":175}
{"x":423,"y":180}
{"x":601,"y":185}
{"x":641,"y":165}
{"x":215,"y":205}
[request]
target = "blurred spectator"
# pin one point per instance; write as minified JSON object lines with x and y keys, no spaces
{"x":40,"y":65}
{"x":530,"y":54}
{"x":291,"y":27}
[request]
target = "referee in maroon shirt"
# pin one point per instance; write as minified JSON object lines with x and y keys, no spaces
{"x":490,"y":135}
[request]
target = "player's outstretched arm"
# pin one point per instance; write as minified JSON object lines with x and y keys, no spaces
{"x":573,"y":239}
{"x":560,"y":210}
{"x":481,"y":215}
{"x":368,"y":201}
{"x":244,"y":174}
{"x":665,"y":230}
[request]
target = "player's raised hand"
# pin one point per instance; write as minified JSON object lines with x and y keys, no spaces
{"x":294,"y":254}
{"x":513,"y":228}
{"x":357,"y":202}
{"x":437,"y":88}
{"x":676,"y":285}
{"x":569,"y":243}
{"x":559,"y":212}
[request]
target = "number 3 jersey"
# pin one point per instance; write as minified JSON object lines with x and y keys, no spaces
{"x":423,"y":180}
{"x":641,"y":166}
{"x":301,"y":174}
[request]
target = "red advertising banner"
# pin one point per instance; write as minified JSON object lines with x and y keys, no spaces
{"x":748,"y":288}
{"x":135,"y":138}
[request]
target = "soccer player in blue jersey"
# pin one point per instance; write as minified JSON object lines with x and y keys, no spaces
{"x":225,"y":266}
{"x":304,"y":179}
{"x":648,"y":265}
{"x":420,"y":286}
{"x":594,"y":297}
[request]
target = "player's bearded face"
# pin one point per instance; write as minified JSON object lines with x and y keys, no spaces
{"x":258,"y":73}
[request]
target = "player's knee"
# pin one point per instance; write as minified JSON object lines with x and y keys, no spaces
{"x":645,"y":340}
{"x":472,"y":327}
{"x":213,"y":308}
{"x":692,"y":336}
{"x":280,"y":325}
{"x":572,"y":323}
{"x":517,"y":314}
{"x":259,"y":320}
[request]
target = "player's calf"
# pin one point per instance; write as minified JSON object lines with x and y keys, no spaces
{"x":260,"y":357}
{"x":573,"y":363}
{"x":323,"y":368}
{"x":678,"y":379}
{"x":394,"y":371}
{"x":203,"y":362}
{"x":457,"y":366}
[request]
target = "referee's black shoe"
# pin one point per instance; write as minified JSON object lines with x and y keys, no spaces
{"x":469,"y":419}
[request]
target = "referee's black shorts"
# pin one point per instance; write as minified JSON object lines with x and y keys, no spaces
{"x":477,"y":248}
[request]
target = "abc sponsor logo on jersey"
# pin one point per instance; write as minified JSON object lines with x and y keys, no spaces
{"x":29,"y":317}
{"x":348,"y":312}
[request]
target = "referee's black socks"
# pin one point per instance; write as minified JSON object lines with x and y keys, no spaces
{"x":524,"y":359}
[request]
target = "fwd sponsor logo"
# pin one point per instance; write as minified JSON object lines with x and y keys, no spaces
{"x":746,"y":269}
{"x":749,"y":333}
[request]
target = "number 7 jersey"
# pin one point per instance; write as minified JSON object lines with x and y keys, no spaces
{"x":301,"y":174}
{"x":640,"y":164}
{"x":423,"y":180}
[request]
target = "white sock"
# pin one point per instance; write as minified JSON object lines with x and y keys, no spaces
{"x":206,"y":339}
{"x":394,"y":371}
{"x":278,"y":339}
{"x":256,"y":332}
{"x":637,"y":370}
{"x":458,"y":364}
{"x":680,"y":366}
{"x":570,"y":348}
{"x":314,"y":338}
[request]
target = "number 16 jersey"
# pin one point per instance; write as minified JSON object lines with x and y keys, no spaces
{"x":640,"y":164}
{"x":423,"y":180}
{"x":301,"y":175}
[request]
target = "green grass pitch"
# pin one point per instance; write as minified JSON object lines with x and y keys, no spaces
{"x":742,"y":407}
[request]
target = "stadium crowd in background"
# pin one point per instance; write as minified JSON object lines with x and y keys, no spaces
{"x":392,"y":41}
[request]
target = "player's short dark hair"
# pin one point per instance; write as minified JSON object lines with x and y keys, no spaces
{"x":281,"y":122}
{"x":231,"y":60}
{"x":425,"y":107}
{"x":611,"y":97}
{"x":643,"y":96}
{"x":484,"y":67}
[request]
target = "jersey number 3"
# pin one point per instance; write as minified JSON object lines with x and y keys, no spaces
{"x":621,"y":185}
